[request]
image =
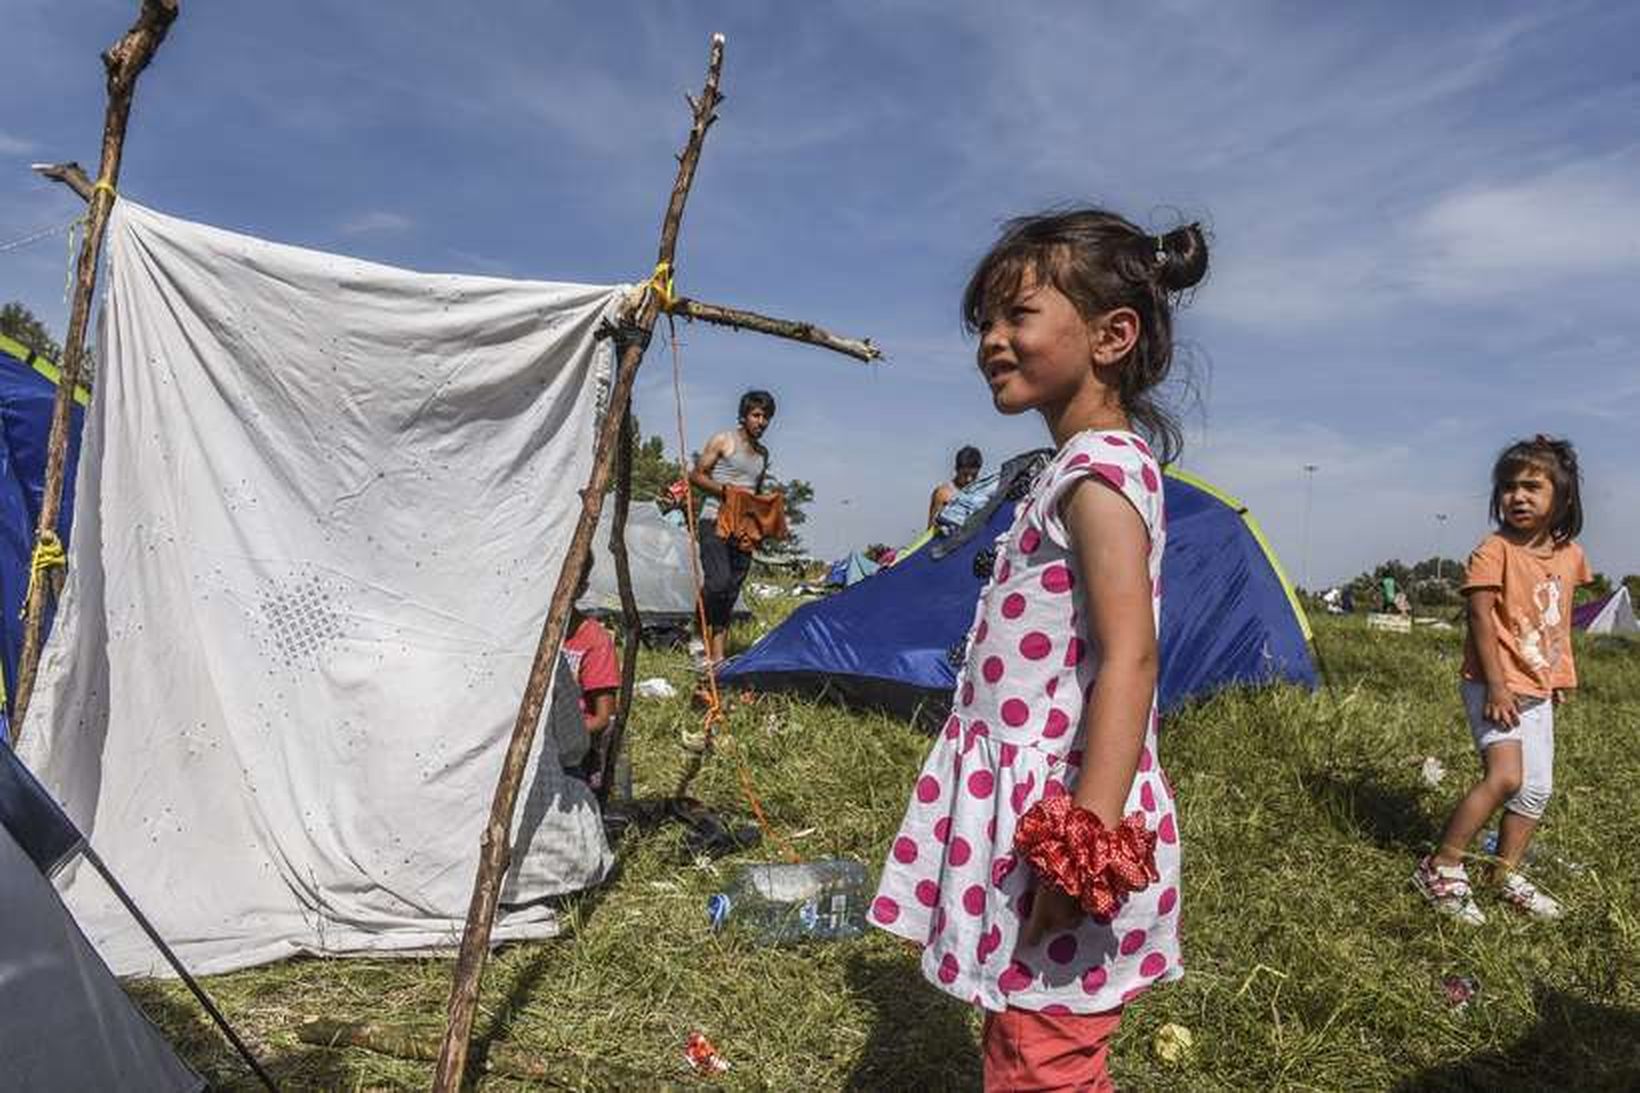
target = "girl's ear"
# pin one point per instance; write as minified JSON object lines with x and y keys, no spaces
{"x":1112,"y":336}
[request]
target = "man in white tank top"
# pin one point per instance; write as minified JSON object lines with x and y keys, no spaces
{"x":735,"y":457}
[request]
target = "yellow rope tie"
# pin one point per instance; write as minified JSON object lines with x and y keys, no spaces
{"x":48,"y":554}
{"x":104,"y":184}
{"x":660,"y":283}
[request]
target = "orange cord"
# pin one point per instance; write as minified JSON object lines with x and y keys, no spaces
{"x":714,"y":715}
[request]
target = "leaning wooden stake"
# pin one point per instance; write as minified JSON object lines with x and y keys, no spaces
{"x":495,"y":843}
{"x":631,"y":621}
{"x":123,"y":62}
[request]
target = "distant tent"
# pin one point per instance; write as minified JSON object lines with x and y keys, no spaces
{"x":663,"y":575}
{"x":1612,"y":615}
{"x":66,"y":1022}
{"x":850,"y":570}
{"x":28,"y":387}
{"x":893,"y":643}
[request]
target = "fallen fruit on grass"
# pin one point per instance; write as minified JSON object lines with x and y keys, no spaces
{"x":703,"y":1056}
{"x":1173,"y":1043}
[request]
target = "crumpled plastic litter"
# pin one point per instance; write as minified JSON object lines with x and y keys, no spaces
{"x":1434,"y":771}
{"x":655,"y":687}
{"x":1460,"y":990}
{"x":701,"y":1055}
{"x":1173,"y":1043}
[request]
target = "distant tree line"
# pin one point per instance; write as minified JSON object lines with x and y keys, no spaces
{"x":1435,"y":582}
{"x":19,"y":324}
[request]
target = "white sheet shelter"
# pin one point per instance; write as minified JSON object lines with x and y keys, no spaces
{"x":321,"y":509}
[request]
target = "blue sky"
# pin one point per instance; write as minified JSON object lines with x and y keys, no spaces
{"x":1426,"y":217}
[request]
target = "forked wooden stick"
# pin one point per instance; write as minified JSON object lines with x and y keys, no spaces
{"x":123,"y":63}
{"x":494,"y":846}
{"x":793,"y":329}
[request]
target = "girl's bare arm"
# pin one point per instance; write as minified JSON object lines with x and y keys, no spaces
{"x":1500,"y":705}
{"x":1112,"y":549}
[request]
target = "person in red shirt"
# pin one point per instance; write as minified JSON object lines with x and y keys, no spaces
{"x":591,"y":654}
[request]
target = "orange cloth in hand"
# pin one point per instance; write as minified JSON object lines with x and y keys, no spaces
{"x":745,"y":518}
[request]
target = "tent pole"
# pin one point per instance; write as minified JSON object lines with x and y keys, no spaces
{"x":631,"y":621}
{"x":176,"y":965}
{"x":123,"y":62}
{"x":494,"y":844}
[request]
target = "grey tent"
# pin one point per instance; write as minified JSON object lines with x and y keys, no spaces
{"x":663,"y":575}
{"x":64,"y":1021}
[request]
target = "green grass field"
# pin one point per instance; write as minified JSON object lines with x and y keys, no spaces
{"x":1310,"y":962}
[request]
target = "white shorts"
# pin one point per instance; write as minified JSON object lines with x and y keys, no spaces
{"x":1536,"y":736}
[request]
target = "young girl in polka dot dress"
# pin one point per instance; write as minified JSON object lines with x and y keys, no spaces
{"x":1038,"y":862}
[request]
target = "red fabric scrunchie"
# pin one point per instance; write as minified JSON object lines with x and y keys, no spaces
{"x":1071,"y":847}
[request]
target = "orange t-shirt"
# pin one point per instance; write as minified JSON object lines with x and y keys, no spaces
{"x":1533,"y":616}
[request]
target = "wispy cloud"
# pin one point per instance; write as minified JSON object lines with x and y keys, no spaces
{"x":11,"y":145}
{"x":376,"y":222}
{"x":1578,"y":221}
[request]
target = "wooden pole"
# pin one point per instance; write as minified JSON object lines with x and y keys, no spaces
{"x":794,"y":329}
{"x":494,"y":844}
{"x":123,"y":63}
{"x":631,"y":621}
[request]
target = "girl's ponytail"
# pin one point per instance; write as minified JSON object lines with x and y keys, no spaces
{"x":1181,"y":258}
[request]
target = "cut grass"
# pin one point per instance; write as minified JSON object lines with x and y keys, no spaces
{"x":1310,"y":962}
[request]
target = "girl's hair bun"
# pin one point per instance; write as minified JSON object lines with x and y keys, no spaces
{"x":1181,"y":258}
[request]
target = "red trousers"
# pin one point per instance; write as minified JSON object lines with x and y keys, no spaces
{"x":1030,"y":1052}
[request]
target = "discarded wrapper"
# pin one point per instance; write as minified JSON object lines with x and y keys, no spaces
{"x":1433,"y":771}
{"x":1460,"y":990}
{"x":702,"y":1056}
{"x":1173,"y":1043}
{"x":655,"y":687}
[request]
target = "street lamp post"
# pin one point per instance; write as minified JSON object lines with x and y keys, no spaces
{"x":1440,"y":541}
{"x":1309,"y":491}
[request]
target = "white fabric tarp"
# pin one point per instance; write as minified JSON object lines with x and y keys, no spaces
{"x":321,"y":509}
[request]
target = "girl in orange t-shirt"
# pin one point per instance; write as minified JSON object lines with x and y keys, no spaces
{"x":1517,"y":667}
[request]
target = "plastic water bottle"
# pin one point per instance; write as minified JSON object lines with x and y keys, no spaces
{"x":778,"y":904}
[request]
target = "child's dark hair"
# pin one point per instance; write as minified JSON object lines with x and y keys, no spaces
{"x":1558,"y":460}
{"x":1101,"y":261}
{"x":969,"y":458}
{"x":755,"y":400}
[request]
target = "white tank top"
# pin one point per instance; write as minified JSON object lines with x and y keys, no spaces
{"x":741,"y":466}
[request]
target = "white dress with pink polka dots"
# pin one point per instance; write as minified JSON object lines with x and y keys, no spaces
{"x":952,"y":881}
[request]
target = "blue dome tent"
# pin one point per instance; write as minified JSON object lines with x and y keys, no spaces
{"x":28,"y":386}
{"x":850,"y":570}
{"x":1229,"y":616}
